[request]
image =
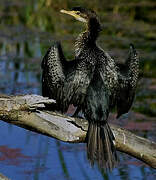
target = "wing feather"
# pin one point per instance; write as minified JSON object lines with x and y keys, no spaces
{"x":128,"y":78}
{"x":53,"y":66}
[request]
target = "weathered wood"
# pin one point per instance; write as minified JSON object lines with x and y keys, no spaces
{"x":2,"y":177}
{"x":25,"y":111}
{"x":23,"y":102}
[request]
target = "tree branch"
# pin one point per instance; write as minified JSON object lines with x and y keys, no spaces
{"x":30,"y":113}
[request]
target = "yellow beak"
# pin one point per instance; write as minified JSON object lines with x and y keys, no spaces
{"x":73,"y":13}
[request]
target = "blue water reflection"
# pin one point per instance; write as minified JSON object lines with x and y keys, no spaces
{"x":28,"y":155}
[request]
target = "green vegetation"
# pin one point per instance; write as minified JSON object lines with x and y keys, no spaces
{"x":29,"y":27}
{"x":123,"y":22}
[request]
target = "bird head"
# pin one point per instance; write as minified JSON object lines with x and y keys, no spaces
{"x":81,"y":14}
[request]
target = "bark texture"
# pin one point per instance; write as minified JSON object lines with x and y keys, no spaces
{"x":29,"y":112}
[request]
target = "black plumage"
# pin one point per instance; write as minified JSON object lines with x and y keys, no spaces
{"x":128,"y":78}
{"x":94,"y":83}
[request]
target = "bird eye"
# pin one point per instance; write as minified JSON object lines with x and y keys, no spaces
{"x":78,"y":13}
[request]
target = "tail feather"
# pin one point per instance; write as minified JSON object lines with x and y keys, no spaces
{"x":110,"y":159}
{"x":101,"y":152}
{"x":92,"y":143}
{"x":100,"y":147}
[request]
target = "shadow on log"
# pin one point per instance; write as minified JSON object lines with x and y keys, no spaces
{"x":29,"y":112}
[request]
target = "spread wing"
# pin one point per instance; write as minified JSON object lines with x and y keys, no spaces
{"x":128,"y":78}
{"x":64,"y":81}
{"x":54,"y":71}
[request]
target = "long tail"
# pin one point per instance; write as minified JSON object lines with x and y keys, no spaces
{"x":100,"y":147}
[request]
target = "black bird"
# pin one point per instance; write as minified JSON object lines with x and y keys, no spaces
{"x":94,"y":83}
{"x":128,"y":77}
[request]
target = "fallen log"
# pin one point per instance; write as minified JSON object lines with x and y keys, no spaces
{"x":30,"y":113}
{"x":2,"y":177}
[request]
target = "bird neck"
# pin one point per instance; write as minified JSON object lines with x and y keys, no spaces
{"x":88,"y":38}
{"x":93,"y":29}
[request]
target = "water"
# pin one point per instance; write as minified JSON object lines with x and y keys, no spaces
{"x":30,"y":156}
{"x":27,"y":155}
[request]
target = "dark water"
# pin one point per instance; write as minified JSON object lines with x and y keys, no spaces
{"x":25,"y":155}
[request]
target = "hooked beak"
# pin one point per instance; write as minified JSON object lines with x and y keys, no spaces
{"x":73,"y":13}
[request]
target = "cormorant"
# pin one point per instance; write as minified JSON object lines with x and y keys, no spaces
{"x":94,"y":83}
